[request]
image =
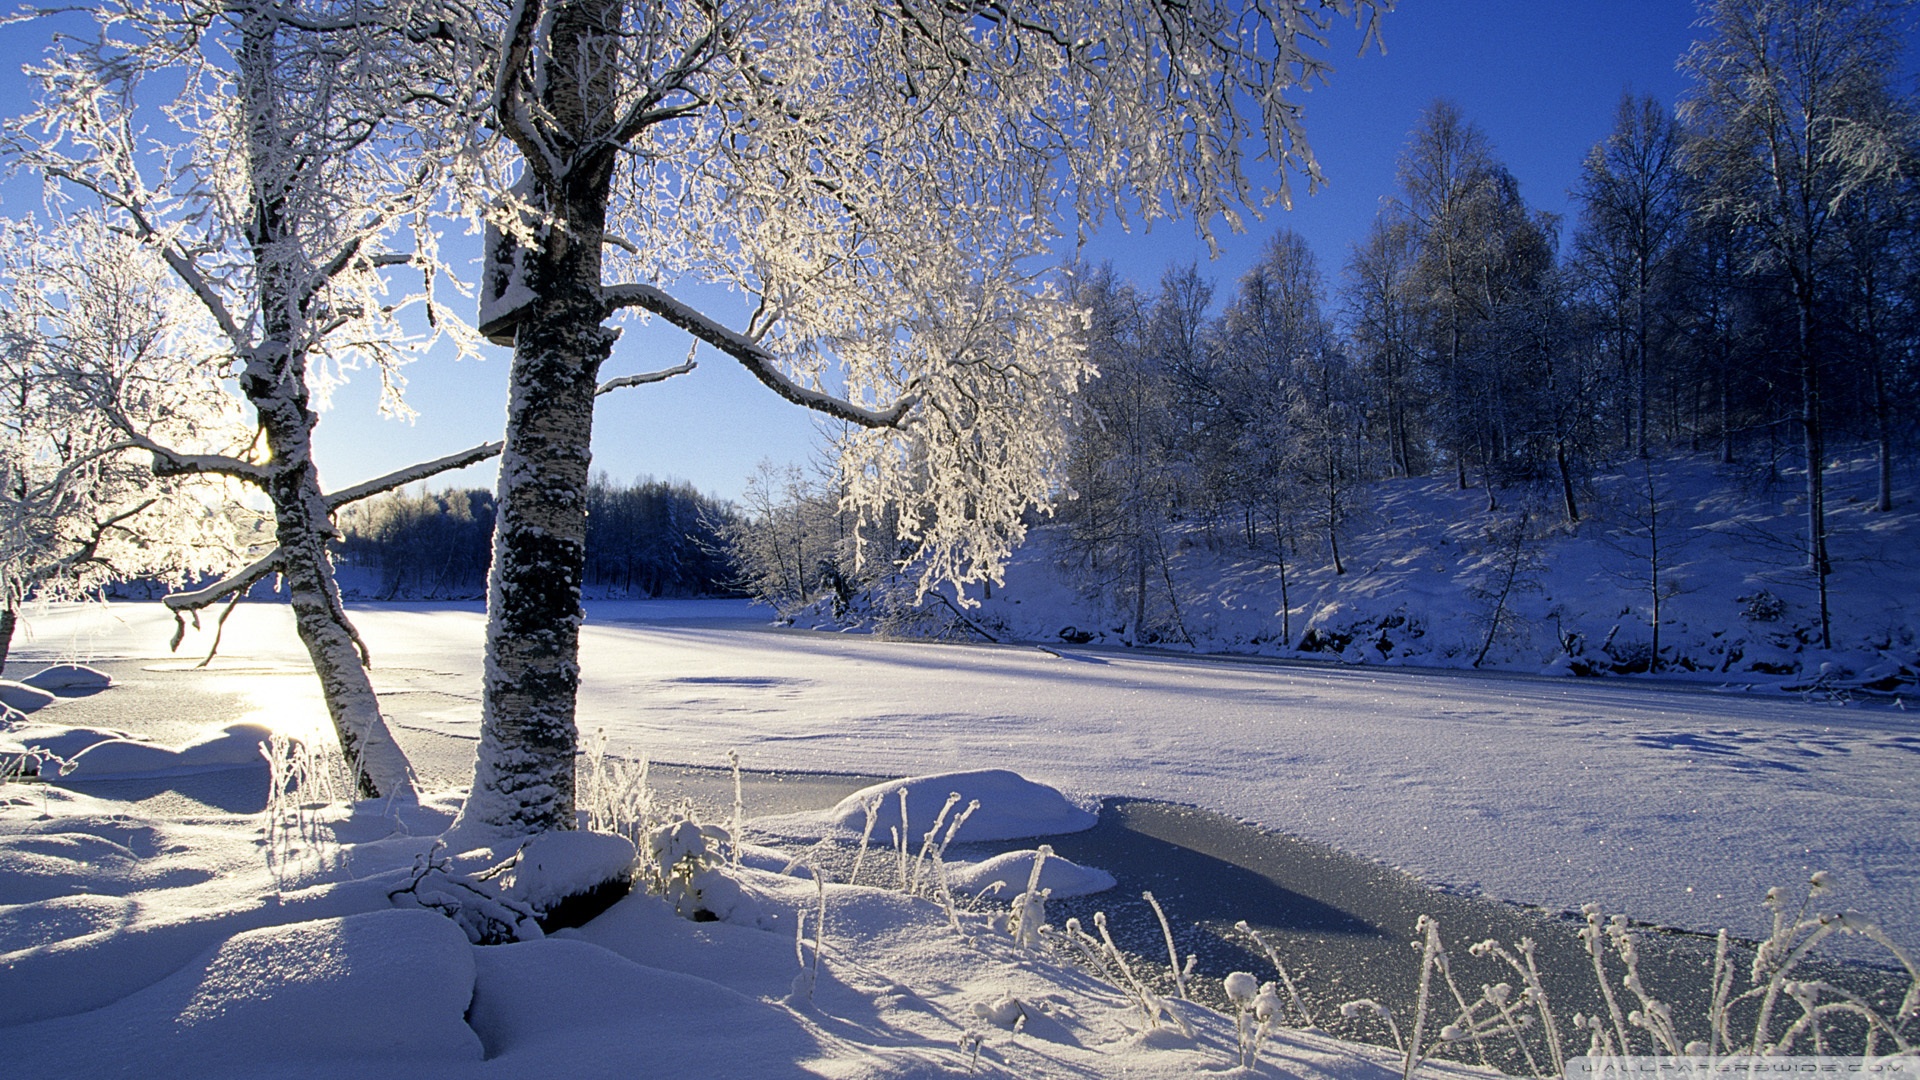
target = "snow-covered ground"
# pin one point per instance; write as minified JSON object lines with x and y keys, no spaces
{"x":1672,"y":804}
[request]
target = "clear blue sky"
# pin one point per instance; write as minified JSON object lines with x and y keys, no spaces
{"x":1542,"y":79}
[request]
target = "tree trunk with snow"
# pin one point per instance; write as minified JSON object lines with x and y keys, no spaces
{"x":523,"y":782}
{"x":302,"y":528}
{"x":523,"y":777}
{"x":275,"y":382}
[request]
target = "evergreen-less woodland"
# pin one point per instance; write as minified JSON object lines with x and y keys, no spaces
{"x":1714,"y":296}
{"x":646,"y":539}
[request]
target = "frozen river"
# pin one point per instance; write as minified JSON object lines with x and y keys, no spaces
{"x":1674,"y":805}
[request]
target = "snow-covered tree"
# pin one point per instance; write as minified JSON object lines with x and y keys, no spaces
{"x":272,"y":154}
{"x":1122,"y":469}
{"x":1448,"y":176}
{"x":1790,"y":118}
{"x":1631,"y":188}
{"x":1383,"y":328}
{"x":94,"y":340}
{"x":877,"y":179}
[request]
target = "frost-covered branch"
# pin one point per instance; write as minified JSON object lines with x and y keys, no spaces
{"x":237,"y":582}
{"x":643,"y":379}
{"x":410,"y":474}
{"x":764,"y":365}
{"x":87,"y":548}
{"x":140,"y":225}
{"x":170,"y":462}
{"x":510,"y":106}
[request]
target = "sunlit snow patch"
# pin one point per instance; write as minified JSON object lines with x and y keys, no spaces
{"x":1011,"y":806}
{"x":1005,"y":876}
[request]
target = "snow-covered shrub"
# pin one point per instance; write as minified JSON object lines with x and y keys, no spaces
{"x":681,"y":855}
{"x":1762,"y":607}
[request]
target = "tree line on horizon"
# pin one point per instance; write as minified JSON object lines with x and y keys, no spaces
{"x":645,"y":539}
{"x":1463,"y":338}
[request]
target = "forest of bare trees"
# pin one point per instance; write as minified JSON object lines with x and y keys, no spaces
{"x":1741,"y":278}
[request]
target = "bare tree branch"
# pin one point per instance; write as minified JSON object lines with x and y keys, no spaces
{"x":764,"y":365}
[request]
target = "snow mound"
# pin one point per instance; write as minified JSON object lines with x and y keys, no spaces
{"x":43,"y":866}
{"x":1011,"y":806}
{"x":69,"y":677}
{"x":1004,"y":877}
{"x":546,"y":1007}
{"x":229,"y":747}
{"x":386,"y":986}
{"x":67,"y":743}
{"x":20,"y":697}
{"x":556,"y":865}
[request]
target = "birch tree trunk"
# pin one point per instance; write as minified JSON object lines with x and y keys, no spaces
{"x":523,"y":776}
{"x":275,"y":382}
{"x":523,"y":779}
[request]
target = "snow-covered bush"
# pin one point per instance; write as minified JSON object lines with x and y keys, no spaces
{"x":682,"y":856}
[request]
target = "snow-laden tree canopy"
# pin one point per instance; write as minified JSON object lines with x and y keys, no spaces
{"x":883,"y":180}
{"x":283,"y":159}
{"x":95,"y":342}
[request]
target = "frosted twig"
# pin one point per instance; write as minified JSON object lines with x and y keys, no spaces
{"x":739,"y":807}
{"x":1173,"y":954}
{"x":872,"y":807}
{"x":1286,"y":978}
{"x":926,"y":842}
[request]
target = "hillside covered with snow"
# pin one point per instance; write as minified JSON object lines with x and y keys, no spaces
{"x":1435,"y":579}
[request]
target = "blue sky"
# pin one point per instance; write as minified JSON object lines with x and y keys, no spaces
{"x":1542,"y":79}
